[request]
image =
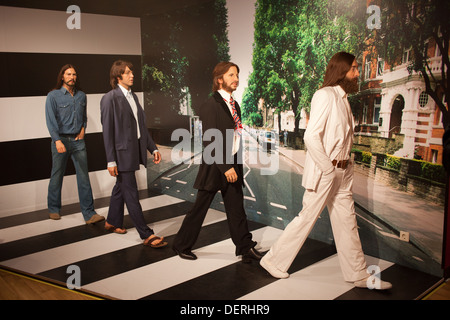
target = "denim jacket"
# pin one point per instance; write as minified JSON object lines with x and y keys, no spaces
{"x":64,"y":113}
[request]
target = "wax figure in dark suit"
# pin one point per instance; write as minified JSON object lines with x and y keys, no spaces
{"x":126,"y":140}
{"x":221,"y":169}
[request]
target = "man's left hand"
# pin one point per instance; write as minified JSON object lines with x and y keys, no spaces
{"x":157,"y":157}
{"x":80,"y":136}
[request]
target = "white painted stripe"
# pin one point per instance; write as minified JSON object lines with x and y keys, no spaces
{"x":71,"y":253}
{"x":45,"y":31}
{"x":147,"y":280}
{"x":23,"y":118}
{"x":31,"y":196}
{"x":74,"y":220}
{"x":320,"y":281}
{"x":370,"y":222}
{"x":249,"y":189}
{"x":273,"y":204}
{"x":171,"y":175}
{"x":389,"y":234}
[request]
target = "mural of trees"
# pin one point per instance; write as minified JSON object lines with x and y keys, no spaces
{"x":294,"y":39}
{"x":180,"y":49}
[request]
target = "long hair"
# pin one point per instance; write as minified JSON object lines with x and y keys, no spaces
{"x":59,"y":79}
{"x":219,"y":70}
{"x":117,"y":70}
{"x":337,"y":68}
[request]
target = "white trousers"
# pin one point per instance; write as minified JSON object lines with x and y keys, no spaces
{"x":335,"y":192}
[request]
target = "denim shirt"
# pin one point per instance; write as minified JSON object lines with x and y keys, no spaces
{"x":64,"y":113}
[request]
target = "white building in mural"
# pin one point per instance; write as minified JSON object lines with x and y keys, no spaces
{"x":407,"y":109}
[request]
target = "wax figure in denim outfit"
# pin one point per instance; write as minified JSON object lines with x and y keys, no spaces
{"x":126,"y":141}
{"x":328,"y":179}
{"x":65,"y":112}
{"x":225,"y":173}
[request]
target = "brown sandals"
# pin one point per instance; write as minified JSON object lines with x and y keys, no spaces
{"x":151,"y":240}
{"x":111,"y":228}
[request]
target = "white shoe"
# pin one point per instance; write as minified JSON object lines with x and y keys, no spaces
{"x":376,"y":284}
{"x":273,"y":270}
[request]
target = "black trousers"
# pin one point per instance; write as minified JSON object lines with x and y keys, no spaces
{"x":233,"y":198}
{"x":125,"y":192}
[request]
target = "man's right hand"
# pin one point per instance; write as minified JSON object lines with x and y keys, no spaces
{"x":113,"y":171}
{"x":60,"y":147}
{"x":231,"y":175}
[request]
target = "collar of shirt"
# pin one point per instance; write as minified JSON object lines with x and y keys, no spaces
{"x":133,"y":105}
{"x":125,"y":91}
{"x":225,"y":95}
{"x":236,"y":140}
{"x":341,"y":91}
{"x":65,"y":91}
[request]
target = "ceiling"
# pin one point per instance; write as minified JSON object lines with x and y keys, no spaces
{"x":130,"y":8}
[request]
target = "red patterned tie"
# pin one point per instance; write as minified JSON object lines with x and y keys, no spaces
{"x":237,"y":121}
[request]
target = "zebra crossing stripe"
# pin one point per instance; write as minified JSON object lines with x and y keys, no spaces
{"x":119,"y":266}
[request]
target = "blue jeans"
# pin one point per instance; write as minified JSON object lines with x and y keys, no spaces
{"x":76,"y":149}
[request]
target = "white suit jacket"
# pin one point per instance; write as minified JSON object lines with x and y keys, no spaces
{"x":329,"y":132}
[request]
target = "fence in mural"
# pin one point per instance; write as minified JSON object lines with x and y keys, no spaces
{"x":422,"y":178}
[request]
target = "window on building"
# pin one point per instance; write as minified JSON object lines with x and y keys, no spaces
{"x":367,"y":70}
{"x":376,"y":110}
{"x":407,"y":55}
{"x":364,"y":113}
{"x":434,"y":156}
{"x":423,"y":99}
{"x":380,"y":67}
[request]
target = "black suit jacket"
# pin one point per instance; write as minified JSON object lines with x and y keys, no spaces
{"x":215,"y":114}
{"x":120,"y":132}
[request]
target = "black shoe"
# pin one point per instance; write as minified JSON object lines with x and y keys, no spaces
{"x":185,"y":255}
{"x":252,"y":253}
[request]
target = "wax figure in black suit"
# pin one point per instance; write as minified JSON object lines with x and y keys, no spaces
{"x":126,"y":140}
{"x":220,"y":169}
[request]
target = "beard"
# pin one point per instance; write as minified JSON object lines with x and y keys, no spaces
{"x":228,"y":86}
{"x":350,"y":85}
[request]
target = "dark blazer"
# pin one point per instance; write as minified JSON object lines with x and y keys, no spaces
{"x":120,"y":132}
{"x":215,"y":114}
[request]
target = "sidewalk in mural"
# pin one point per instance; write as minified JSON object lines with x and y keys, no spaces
{"x":402,"y":211}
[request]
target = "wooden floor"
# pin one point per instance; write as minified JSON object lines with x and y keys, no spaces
{"x":441,"y":293}
{"x":16,"y":286}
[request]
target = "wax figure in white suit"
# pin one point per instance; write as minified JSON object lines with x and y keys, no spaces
{"x":328,"y":179}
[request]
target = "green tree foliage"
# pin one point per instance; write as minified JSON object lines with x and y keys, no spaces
{"x":180,"y":49}
{"x":294,"y":39}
